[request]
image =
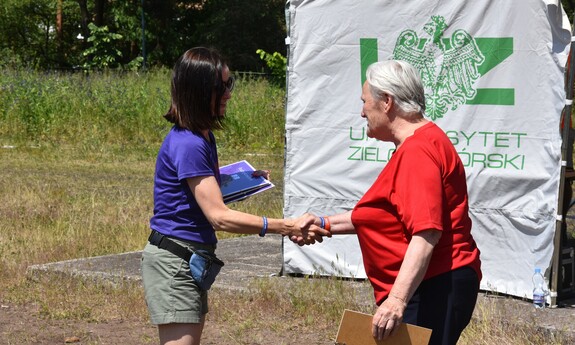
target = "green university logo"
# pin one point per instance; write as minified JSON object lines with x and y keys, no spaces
{"x":449,"y":67}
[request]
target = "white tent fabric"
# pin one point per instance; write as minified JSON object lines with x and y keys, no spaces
{"x":500,"y":104}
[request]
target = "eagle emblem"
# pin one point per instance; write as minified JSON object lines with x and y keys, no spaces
{"x":458,"y":58}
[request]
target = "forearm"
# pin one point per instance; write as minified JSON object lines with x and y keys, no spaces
{"x":207,"y":193}
{"x":415,"y":264}
{"x":244,"y":223}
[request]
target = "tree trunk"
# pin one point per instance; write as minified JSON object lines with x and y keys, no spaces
{"x":85,"y":18}
{"x":99,"y":8}
{"x":59,"y":33}
{"x":59,"y":22}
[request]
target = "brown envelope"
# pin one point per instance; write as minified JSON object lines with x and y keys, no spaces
{"x":355,"y":329}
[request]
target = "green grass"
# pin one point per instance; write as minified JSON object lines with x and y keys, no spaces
{"x":107,"y":116}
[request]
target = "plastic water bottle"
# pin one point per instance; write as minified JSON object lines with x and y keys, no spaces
{"x":539,"y":289}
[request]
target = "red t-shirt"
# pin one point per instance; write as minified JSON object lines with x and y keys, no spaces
{"x":422,"y":187}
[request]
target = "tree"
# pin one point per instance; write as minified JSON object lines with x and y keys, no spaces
{"x":54,"y":33}
{"x":31,"y":34}
{"x":26,"y":30}
{"x":239,"y":28}
{"x":103,"y":52}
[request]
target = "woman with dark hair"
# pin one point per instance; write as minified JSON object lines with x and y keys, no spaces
{"x":188,"y":204}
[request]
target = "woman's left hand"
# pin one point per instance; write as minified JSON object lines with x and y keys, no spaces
{"x":263,"y":173}
{"x":387,"y":318}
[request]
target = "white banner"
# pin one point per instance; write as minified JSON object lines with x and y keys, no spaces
{"x":494,"y":78}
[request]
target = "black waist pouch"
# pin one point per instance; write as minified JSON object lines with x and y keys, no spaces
{"x":204,"y":267}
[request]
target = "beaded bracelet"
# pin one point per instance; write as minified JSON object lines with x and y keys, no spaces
{"x":265,"y":227}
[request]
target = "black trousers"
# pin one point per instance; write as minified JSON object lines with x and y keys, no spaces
{"x":445,"y":304}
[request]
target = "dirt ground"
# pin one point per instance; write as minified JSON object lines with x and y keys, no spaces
{"x":23,"y":325}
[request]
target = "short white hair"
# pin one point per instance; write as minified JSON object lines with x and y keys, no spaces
{"x":400,"y":80}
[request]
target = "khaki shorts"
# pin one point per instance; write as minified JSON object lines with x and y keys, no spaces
{"x":172,"y":295}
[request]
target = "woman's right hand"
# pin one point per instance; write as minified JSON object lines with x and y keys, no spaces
{"x":310,"y":233}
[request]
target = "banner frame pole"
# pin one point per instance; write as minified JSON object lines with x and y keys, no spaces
{"x":556,"y":269}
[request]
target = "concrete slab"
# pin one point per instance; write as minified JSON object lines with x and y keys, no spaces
{"x":245,"y":258}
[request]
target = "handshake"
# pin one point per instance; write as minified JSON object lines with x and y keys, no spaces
{"x":309,"y":229}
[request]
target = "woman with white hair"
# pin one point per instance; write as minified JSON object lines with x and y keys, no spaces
{"x":413,"y":224}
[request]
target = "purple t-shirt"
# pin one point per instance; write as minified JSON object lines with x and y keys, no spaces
{"x":183,"y":154}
